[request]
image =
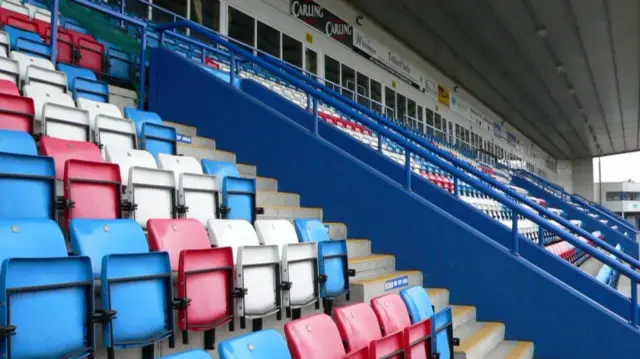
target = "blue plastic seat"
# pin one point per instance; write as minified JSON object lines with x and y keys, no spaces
{"x":140,"y":117}
{"x":44,"y":293}
{"x":265,"y":344}
{"x":17,"y":142}
{"x":135,"y":283}
{"x":83,"y":83}
{"x":238,"y":193}
{"x":420,"y":308}
{"x":332,"y":259}
{"x":189,"y":354}
{"x":27,"y":186}
{"x":118,"y":62}
{"x":16,"y":33}
{"x":157,"y":139}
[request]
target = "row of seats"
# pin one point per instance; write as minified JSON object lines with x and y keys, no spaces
{"x":401,"y":325}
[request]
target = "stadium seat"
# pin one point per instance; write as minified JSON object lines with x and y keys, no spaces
{"x":93,"y":190}
{"x":9,"y":88}
{"x":265,"y":344}
{"x":98,"y":108}
{"x":65,"y":53}
{"x":136,"y":286}
{"x":27,"y":186}
{"x":257,"y":269}
{"x":159,"y":139}
{"x":91,"y":55}
{"x":357,"y":325}
{"x":238,"y":194}
{"x":420,"y":308}
{"x":178,"y":165}
{"x":126,"y":159}
{"x":140,"y":117}
{"x":316,"y":337}
{"x":17,"y":11}
{"x":64,"y":150}
{"x":189,"y":354}
{"x":34,"y":69}
{"x":44,"y":293}
{"x":9,"y":70}
{"x":393,"y":317}
{"x":16,"y":113}
{"x":84,"y":84}
{"x":18,"y":29}
{"x":299,"y":265}
{"x":116,"y":132}
{"x":332,"y":260}
{"x":58,"y":115}
{"x":5,"y":44}
{"x":199,"y":193}
{"x":17,"y":142}
{"x":152,"y":193}
{"x":119,"y":64}
{"x":205,"y":275}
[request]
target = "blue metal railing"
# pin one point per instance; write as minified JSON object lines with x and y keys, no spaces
{"x":437,"y":156}
{"x":123,"y":18}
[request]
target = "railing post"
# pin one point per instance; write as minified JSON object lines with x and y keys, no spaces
{"x":634,"y":302}
{"x":407,"y":168}
{"x":143,"y":66}
{"x":541,"y":236}
{"x":232,"y":70}
{"x":204,"y":57}
{"x":456,"y":190}
{"x":316,"y":118}
{"x":379,"y":142}
{"x":122,"y":10}
{"x":309,"y":108}
{"x":54,"y":31}
{"x":514,"y":234}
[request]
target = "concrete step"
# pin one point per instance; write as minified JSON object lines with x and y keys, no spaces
{"x":122,"y":97}
{"x":591,"y":266}
{"x":372,"y":266}
{"x":205,"y":142}
{"x":273,"y":198}
{"x":462,"y":314}
{"x":358,"y":247}
{"x":265,"y":183}
{"x":509,"y":349}
{"x":290,"y":213}
{"x":201,"y":153}
{"x":365,"y":289}
{"x":182,"y":129}
{"x":439,"y":297}
{"x":477,"y":339}
{"x":337,"y":230}
{"x":247,"y":170}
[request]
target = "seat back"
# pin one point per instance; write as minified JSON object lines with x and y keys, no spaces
{"x":154,"y":193}
{"x":159,"y":139}
{"x":26,"y":61}
{"x":98,"y":108}
{"x":189,"y":354}
{"x":5,"y":44}
{"x":238,"y":194}
{"x":358,"y":326}
{"x":53,"y":81}
{"x":178,"y":164}
{"x":126,"y":159}
{"x":94,"y":188}
{"x":391,"y":346}
{"x":264,"y":344}
{"x":257,"y":267}
{"x":199,"y":193}
{"x":16,"y":113}
{"x":391,"y":313}
{"x":420,"y":309}
{"x":314,"y":337}
{"x":20,"y":29}
{"x":84,"y":84}
{"x":116,"y":132}
{"x":9,"y":70}
{"x":91,"y":55}
{"x":44,"y":278}
{"x":27,"y":186}
{"x":8,"y":87}
{"x":135,"y":283}
{"x":299,"y":262}
{"x":311,"y":230}
{"x":175,"y":236}
{"x":17,"y":142}
{"x":140,"y":117}
{"x":64,"y":150}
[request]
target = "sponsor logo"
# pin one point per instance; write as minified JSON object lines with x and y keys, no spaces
{"x":396,"y":283}
{"x":183,"y":138}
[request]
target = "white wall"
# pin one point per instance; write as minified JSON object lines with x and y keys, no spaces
{"x":583,"y":177}
{"x":565,"y":175}
{"x":276,"y":14}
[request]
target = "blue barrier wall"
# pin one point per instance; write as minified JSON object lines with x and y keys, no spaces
{"x":477,"y":269}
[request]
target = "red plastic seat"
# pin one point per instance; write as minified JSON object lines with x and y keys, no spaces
{"x":21,"y":23}
{"x":77,"y":36}
{"x":9,"y":88}
{"x":91,"y":55}
{"x":390,"y":347}
{"x":316,"y":337}
{"x":205,"y":274}
{"x":16,"y":113}
{"x":65,"y":44}
{"x":6,"y":13}
{"x":393,"y":316}
{"x":64,"y":150}
{"x":95,"y":189}
{"x":358,"y":326}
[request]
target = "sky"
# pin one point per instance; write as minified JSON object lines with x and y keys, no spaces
{"x":618,"y":168}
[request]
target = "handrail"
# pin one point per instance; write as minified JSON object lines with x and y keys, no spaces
{"x":440,"y":157}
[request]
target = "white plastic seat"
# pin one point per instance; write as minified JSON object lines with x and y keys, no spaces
{"x":115,"y":132}
{"x":98,"y":108}
{"x":5,"y":44}
{"x":36,"y":69}
{"x":9,"y":70}
{"x":15,"y":6}
{"x":299,"y":263}
{"x":256,"y":267}
{"x":200,"y":194}
{"x":127,"y":159}
{"x":58,"y":114}
{"x":38,"y":13}
{"x":179,"y":165}
{"x":153,"y":192}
